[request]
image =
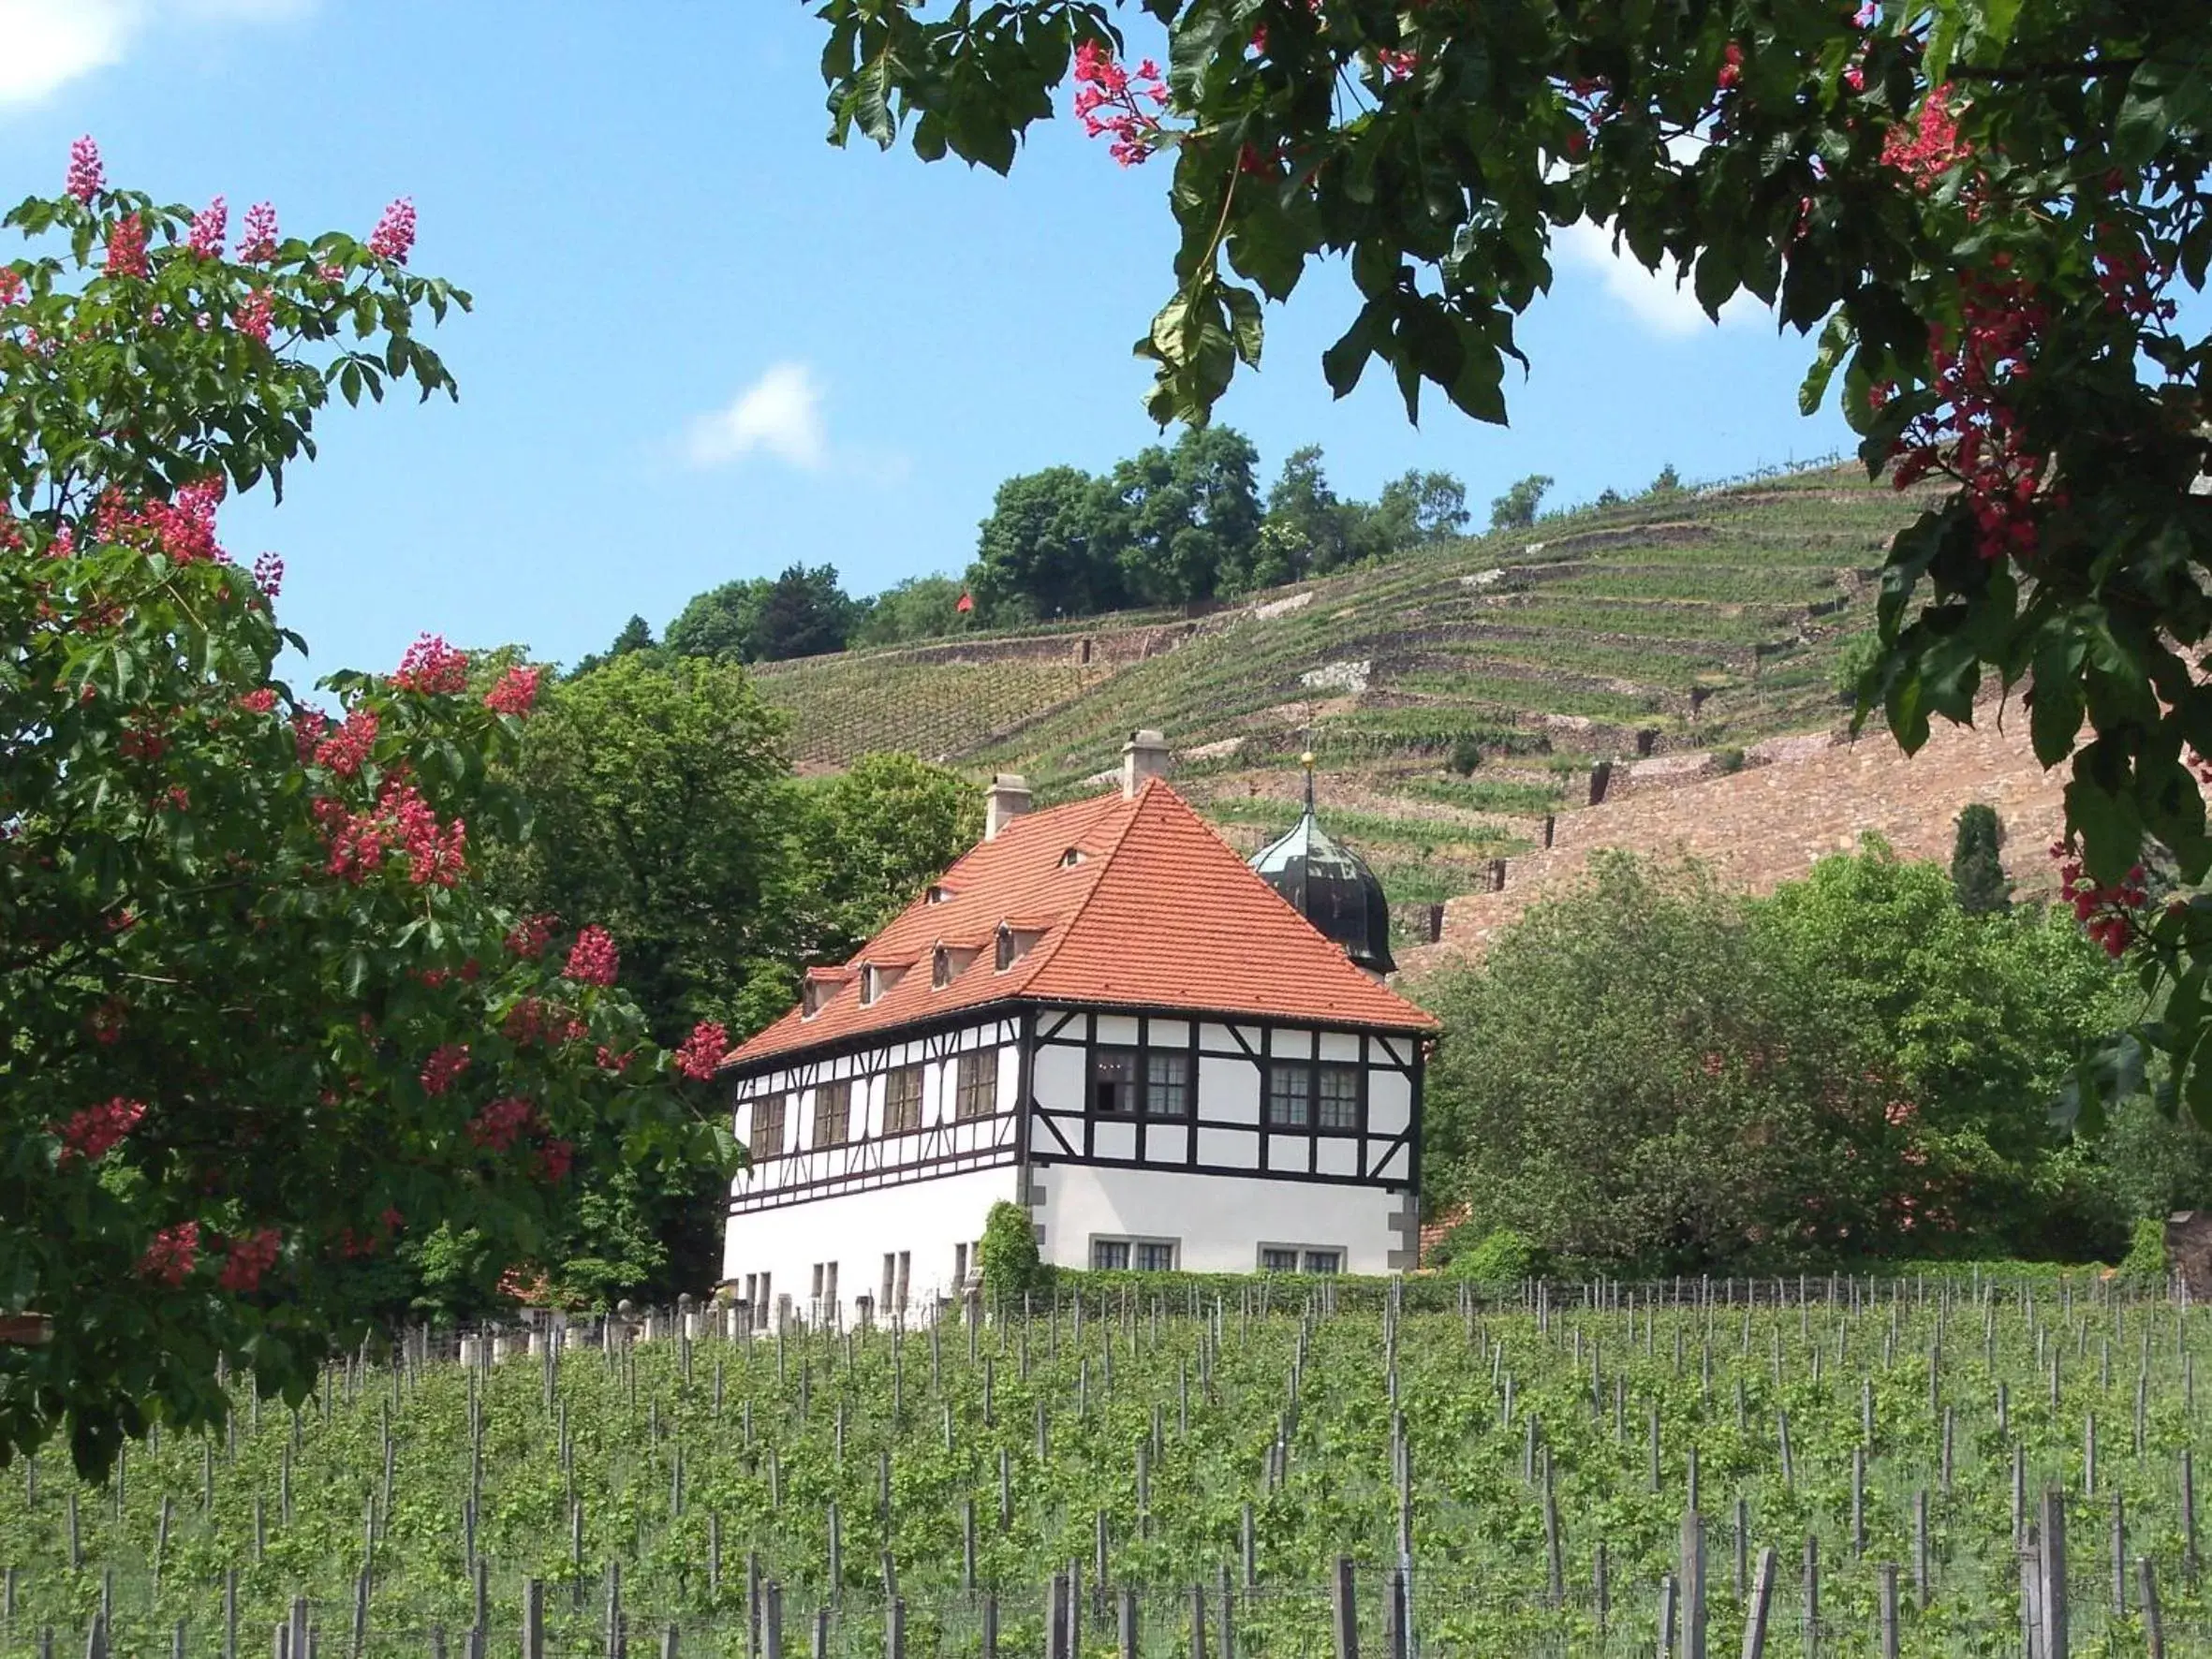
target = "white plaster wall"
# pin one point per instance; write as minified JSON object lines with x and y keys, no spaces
{"x":926,"y":1218}
{"x":1220,"y":1220}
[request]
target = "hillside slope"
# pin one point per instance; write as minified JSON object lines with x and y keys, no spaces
{"x":1681,"y":620}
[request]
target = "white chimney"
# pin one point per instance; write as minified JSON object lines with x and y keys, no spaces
{"x":1005,"y":799}
{"x":1143,"y":757}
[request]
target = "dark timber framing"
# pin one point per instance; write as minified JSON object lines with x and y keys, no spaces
{"x":1070,"y":1134}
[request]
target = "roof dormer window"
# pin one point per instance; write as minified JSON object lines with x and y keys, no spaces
{"x":939,"y":894}
{"x":1071,"y":857}
{"x":1006,"y":949}
{"x":940,"y":968}
{"x":875,"y":980}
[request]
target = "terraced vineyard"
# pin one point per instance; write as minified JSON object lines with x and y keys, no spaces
{"x":1533,"y":1459}
{"x":1679,"y":620}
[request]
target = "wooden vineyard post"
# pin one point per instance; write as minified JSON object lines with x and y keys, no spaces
{"x":991,"y":1596}
{"x":2154,"y":1623}
{"x":1344,"y":1611}
{"x":1248,"y":1540}
{"x":1812,"y":1596}
{"x":2188,"y":1515}
{"x":1398,"y":1613}
{"x":2051,"y":1572}
{"x":670,"y":1640}
{"x":1197,"y":1622}
{"x":1126,"y":1611}
{"x":1666,"y":1617}
{"x":1920,"y":1549}
{"x":1056,"y":1618}
{"x":1693,"y":1586}
{"x":1755,"y":1614}
{"x":534,"y":1618}
{"x":1599,"y":1588}
{"x":821,"y":1646}
{"x":772,"y":1619}
{"x":1888,"y":1611}
{"x":1228,"y":1616}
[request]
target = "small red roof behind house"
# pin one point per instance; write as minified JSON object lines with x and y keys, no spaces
{"x":1131,"y":902}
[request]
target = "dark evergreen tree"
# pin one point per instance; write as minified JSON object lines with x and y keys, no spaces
{"x":1977,"y":875}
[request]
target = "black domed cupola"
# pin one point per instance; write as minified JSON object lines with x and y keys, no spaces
{"x":1330,"y":886}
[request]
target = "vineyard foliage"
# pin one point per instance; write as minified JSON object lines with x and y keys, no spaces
{"x":1160,"y":1411}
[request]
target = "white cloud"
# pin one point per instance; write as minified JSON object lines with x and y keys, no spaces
{"x":1653,"y":298}
{"x":52,"y":42}
{"x":780,"y":413}
{"x":46,"y":44}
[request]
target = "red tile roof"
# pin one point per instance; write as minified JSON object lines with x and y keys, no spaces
{"x":1156,"y":912}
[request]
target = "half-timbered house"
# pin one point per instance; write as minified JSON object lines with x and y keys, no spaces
{"x":1102,"y":1014}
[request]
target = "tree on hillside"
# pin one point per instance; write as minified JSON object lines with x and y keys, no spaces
{"x":804,"y":612}
{"x":801,"y":612}
{"x":1189,"y":517}
{"x":1420,"y":509}
{"x":1977,"y":874}
{"x":265,"y":1026}
{"x":919,"y":608}
{"x":1668,"y":481}
{"x":1050,"y":547}
{"x":1516,"y":508}
{"x":722,"y":623}
{"x":1986,"y":213}
{"x":1308,"y":529}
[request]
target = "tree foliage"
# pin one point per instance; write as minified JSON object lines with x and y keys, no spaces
{"x":1977,"y":874}
{"x":1516,"y":508}
{"x":1656,"y":1075}
{"x":263,"y":1023}
{"x":1985,"y":211}
{"x":801,"y":612}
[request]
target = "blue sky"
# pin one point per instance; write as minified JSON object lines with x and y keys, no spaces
{"x":706,"y":344}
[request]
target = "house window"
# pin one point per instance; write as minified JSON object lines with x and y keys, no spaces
{"x":905,"y":1262}
{"x":890,"y":1278}
{"x":1300,"y":1258}
{"x":976,"y":1089}
{"x":940,"y":894}
{"x":960,"y":1263}
{"x":1113,"y":1082}
{"x":901,"y":1101}
{"x":1071,"y":857}
{"x":767,"y":1138}
{"x":940,"y":968}
{"x":1006,"y":952}
{"x":1147,"y":1255}
{"x":871,"y":986}
{"x":1167,"y":1085}
{"x":832,"y":1114}
{"x":1290,"y":1094}
{"x":1336,"y":1100}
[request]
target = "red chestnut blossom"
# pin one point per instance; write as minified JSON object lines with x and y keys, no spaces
{"x":400,"y":821}
{"x":258,"y":702}
{"x":268,"y":574}
{"x":258,"y":241}
{"x":395,"y":234}
{"x":529,"y":937}
{"x":308,"y":724}
{"x":496,"y":1127}
{"x":171,"y":1259}
{"x":2108,"y":915}
{"x":535,"y":1021}
{"x":346,"y":749}
{"x":433,"y":668}
{"x":249,"y":1258}
{"x":1110,"y":102}
{"x":11,"y":285}
{"x":1731,"y":65}
{"x":253,"y":317}
{"x":95,"y":1131}
{"x":700,"y":1056}
{"x":211,"y":227}
{"x":183,"y":530}
{"x":514,"y":694}
{"x":1931,"y":147}
{"x":86,"y":177}
{"x":591,"y":959}
{"x":126,"y":246}
{"x":553,"y":1161}
{"x":446,"y":1063}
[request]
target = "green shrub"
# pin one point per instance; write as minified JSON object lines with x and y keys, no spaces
{"x":1502,"y":1256}
{"x":1012,"y":1265}
{"x":1466,"y":753}
{"x":2145,"y":1260}
{"x":1728,"y":760}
